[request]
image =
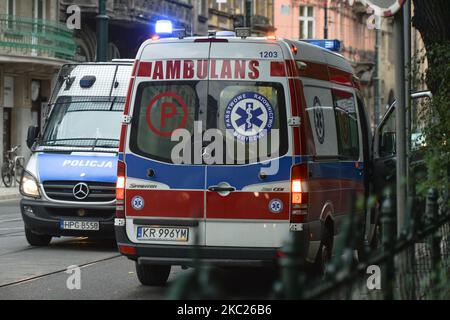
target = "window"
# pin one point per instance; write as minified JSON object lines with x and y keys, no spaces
{"x":163,"y":107}
{"x":387,"y":139}
{"x":84,"y":122}
{"x":346,"y":124}
{"x":39,"y":9}
{"x":202,"y":8}
{"x":319,"y":105}
{"x":38,"y":14}
{"x":252,"y":125}
{"x":307,"y":22}
{"x":239,"y":7}
{"x":11,"y":12}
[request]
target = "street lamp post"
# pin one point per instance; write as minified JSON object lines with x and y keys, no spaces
{"x":102,"y":32}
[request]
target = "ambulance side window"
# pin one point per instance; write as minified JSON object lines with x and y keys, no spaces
{"x":346,"y":124}
{"x":321,"y":116}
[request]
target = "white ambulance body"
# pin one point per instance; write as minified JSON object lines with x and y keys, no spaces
{"x":292,"y":145}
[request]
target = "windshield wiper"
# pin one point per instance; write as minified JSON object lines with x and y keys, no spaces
{"x":66,"y":142}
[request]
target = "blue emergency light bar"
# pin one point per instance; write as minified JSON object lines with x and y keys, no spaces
{"x":332,"y":45}
{"x":163,"y":27}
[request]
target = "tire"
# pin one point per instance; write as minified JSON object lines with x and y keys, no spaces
{"x":6,"y":175}
{"x":38,"y":240}
{"x":153,"y":275}
{"x":324,"y":254}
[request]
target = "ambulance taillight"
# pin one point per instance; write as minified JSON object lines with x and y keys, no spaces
{"x":120,"y":190}
{"x":299,"y":196}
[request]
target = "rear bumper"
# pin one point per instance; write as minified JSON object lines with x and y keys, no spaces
{"x":184,"y":255}
{"x":44,"y":217}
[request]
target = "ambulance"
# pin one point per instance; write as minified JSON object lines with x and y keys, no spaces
{"x":68,"y":185}
{"x":229,"y":143}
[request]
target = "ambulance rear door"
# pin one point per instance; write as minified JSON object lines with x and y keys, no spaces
{"x":247,"y":185}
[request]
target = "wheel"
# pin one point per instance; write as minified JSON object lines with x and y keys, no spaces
{"x":152,"y":275}
{"x":38,"y":240}
{"x":324,"y":254}
{"x":6,"y":175}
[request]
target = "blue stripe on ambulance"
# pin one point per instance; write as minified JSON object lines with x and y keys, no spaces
{"x":192,"y":177}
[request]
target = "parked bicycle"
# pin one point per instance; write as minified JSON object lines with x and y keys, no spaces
{"x":12,"y":168}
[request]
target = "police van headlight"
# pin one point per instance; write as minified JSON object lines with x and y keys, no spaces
{"x":29,"y":186}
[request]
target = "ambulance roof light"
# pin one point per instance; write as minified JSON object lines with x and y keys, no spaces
{"x":332,"y":45}
{"x":243,"y":32}
{"x":225,"y":33}
{"x":163,"y":27}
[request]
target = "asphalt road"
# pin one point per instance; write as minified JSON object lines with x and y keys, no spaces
{"x":40,"y":272}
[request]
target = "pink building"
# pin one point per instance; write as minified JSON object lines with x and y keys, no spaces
{"x":304,"y":19}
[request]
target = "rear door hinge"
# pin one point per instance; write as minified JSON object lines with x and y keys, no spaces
{"x":294,"y":121}
{"x":126,"y":119}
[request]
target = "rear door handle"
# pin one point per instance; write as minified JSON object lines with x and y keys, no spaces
{"x":221,"y":189}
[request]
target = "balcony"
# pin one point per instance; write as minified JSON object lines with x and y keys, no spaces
{"x":20,"y":36}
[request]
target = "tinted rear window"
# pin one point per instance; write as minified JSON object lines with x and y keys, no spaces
{"x":237,"y":123}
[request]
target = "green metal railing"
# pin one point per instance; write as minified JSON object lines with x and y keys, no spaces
{"x":414,"y":265}
{"x":35,"y":37}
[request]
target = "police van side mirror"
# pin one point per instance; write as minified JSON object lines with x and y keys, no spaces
{"x":32,"y":135}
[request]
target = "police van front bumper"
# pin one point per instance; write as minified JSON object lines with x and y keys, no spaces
{"x":184,"y":255}
{"x":44,"y":217}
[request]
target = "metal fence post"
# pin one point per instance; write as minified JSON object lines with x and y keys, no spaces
{"x":388,"y":240}
{"x":431,"y":214}
{"x":292,"y":267}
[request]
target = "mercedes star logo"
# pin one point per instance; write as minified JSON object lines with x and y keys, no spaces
{"x":81,"y":191}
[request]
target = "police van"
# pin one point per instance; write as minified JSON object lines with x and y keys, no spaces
{"x":68,"y":185}
{"x":231,"y":142}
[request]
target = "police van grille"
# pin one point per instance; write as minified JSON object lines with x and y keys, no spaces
{"x":63,"y":190}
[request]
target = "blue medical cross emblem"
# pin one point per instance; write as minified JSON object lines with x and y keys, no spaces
{"x":249,"y":116}
{"x":275,"y":205}
{"x":137,"y":203}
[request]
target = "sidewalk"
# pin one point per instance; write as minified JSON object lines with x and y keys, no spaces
{"x":9,"y":193}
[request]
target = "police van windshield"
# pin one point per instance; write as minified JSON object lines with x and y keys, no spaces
{"x":236,"y":123}
{"x":84,"y":122}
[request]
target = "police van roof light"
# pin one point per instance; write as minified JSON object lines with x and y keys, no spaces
{"x":163,"y":27}
{"x":332,"y":45}
{"x":243,"y":32}
{"x":87,"y":81}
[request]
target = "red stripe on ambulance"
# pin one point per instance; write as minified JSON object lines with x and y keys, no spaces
{"x":183,"y":203}
{"x":246,"y":205}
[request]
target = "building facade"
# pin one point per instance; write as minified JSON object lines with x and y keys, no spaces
{"x":131,"y":22}
{"x":229,"y":14}
{"x":33,"y":46}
